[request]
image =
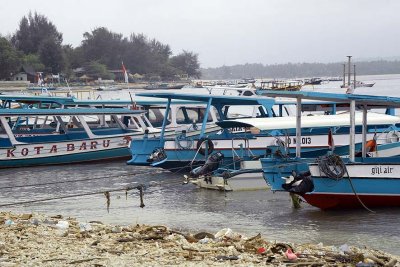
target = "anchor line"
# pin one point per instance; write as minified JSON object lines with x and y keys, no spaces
{"x":104,"y":192}
{"x":68,"y":181}
{"x":140,"y":187}
{"x":355,"y":193}
{"x":337,"y":163}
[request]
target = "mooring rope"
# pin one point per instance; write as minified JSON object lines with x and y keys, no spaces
{"x":104,"y":192}
{"x":325,"y":163}
{"x":68,"y":181}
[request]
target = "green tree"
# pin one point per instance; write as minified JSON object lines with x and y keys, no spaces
{"x":187,"y":62}
{"x":51,"y":54}
{"x":33,"y":31}
{"x":33,"y":60}
{"x":37,"y":35}
{"x":104,"y":46}
{"x":97,"y":70}
{"x":9,"y":59}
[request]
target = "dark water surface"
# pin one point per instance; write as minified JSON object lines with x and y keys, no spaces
{"x":189,"y":208}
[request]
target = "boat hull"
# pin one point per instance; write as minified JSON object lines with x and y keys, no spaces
{"x":103,"y":155}
{"x":374,"y":181}
{"x":65,"y":151}
{"x":180,"y":153}
{"x":350,"y":201}
{"x":241,"y":182}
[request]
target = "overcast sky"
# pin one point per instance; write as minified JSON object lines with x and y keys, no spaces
{"x":229,"y":32}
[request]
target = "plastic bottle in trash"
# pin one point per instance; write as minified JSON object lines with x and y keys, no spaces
{"x":62,"y":225}
{"x":9,"y":222}
{"x":85,"y":227}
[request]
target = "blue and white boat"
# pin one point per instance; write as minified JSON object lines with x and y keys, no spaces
{"x":331,"y":182}
{"x":31,"y":137}
{"x":249,"y":174}
{"x":240,"y":140}
{"x":192,"y":148}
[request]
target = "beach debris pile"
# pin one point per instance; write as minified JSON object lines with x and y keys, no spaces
{"x":39,"y":240}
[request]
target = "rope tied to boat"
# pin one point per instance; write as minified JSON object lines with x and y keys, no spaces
{"x":334,"y":168}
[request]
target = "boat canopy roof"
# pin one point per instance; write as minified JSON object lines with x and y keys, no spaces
{"x":73,"y":101}
{"x":275,"y":123}
{"x":222,"y":100}
{"x":384,"y":101}
{"x":36,"y":99}
{"x":143,"y":101}
{"x":68,"y":112}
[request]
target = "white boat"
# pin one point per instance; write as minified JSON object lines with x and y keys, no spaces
{"x":360,"y":84}
{"x":248,"y":177}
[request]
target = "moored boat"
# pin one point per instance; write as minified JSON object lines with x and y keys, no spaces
{"x":332,"y":182}
{"x":59,"y":136}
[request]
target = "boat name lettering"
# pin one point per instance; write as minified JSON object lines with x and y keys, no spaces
{"x":237,"y":129}
{"x":304,"y":140}
{"x":381,"y":170}
{"x":11,"y":153}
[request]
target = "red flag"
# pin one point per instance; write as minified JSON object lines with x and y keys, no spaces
{"x":125,"y":73}
{"x":331,"y":143}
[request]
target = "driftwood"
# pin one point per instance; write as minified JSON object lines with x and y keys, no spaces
{"x":86,"y":260}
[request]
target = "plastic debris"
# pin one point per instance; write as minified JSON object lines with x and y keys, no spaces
{"x":9,"y":222}
{"x":55,"y":242}
{"x":290,"y":255}
{"x":344,"y":248}
{"x":85,"y":227}
{"x":227,"y":233}
{"x":62,"y":225}
{"x":261,"y":250}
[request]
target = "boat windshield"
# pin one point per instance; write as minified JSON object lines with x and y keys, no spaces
{"x":186,"y":115}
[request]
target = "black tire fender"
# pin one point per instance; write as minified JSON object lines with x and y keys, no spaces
{"x":201,"y":149}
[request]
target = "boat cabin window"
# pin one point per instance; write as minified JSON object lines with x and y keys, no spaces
{"x":235,"y":112}
{"x":283,"y":110}
{"x":156,"y":116}
{"x":186,"y":115}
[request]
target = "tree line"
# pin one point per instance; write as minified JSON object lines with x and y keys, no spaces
{"x":37,"y":43}
{"x":292,"y":70}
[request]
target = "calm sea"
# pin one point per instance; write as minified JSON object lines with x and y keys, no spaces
{"x":186,"y":207}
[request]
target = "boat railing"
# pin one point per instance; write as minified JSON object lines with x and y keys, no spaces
{"x":243,"y":150}
{"x":244,"y":91}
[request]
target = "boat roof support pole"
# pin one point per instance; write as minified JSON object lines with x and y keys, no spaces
{"x":164,"y":124}
{"x":298,"y":127}
{"x":204,"y":125}
{"x":61,"y":124}
{"x":119,"y":122}
{"x":8,"y":131}
{"x":364,"y":131}
{"x":352,"y":129}
{"x":141,"y":126}
{"x":85,"y":126}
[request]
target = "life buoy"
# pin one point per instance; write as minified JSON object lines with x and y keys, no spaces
{"x":201,"y":149}
{"x":393,"y":137}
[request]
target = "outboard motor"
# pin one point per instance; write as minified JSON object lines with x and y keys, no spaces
{"x":158,"y":154}
{"x":211,"y":165}
{"x":299,"y":184}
